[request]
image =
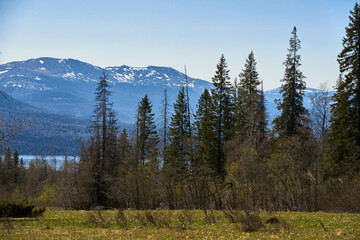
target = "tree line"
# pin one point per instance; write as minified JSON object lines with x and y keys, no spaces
{"x":224,"y":156}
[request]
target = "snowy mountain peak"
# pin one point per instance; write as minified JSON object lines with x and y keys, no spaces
{"x":34,"y":73}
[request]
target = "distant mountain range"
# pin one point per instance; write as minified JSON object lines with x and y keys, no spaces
{"x":58,"y":95}
{"x":67,"y":86}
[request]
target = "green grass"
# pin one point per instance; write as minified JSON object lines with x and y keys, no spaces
{"x":55,"y":224}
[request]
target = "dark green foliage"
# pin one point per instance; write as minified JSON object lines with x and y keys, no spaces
{"x":19,"y":209}
{"x":345,"y":121}
{"x":147,"y":137}
{"x":249,"y":116}
{"x":223,"y":111}
{"x":12,"y":173}
{"x":205,"y":131}
{"x":293,"y":113}
{"x":178,"y":155}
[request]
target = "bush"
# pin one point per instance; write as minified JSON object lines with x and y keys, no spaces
{"x":272,"y":220}
{"x":18,"y":209}
{"x":251,"y":222}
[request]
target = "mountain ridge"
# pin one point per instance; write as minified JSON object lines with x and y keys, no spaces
{"x":55,"y":84}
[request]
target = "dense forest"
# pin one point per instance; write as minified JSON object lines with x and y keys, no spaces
{"x":226,"y":155}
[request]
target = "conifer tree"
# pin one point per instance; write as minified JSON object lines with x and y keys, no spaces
{"x":147,"y":137}
{"x":345,"y":121}
{"x":223,"y":109}
{"x":179,"y":134}
{"x":102,"y":153}
{"x":292,"y":110}
{"x":104,"y":127}
{"x":249,"y":107}
{"x":205,"y":131}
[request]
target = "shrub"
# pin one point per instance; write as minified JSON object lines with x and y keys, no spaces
{"x":37,"y":212}
{"x":18,"y":209}
{"x":272,"y":220}
{"x":251,"y":222}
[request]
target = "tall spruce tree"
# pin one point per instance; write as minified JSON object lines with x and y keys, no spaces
{"x":103,"y":143}
{"x":179,"y":135}
{"x":292,"y":110}
{"x":345,"y":121}
{"x":147,"y":137}
{"x":249,"y":110}
{"x":205,"y":132}
{"x":104,"y":127}
{"x":223,"y":109}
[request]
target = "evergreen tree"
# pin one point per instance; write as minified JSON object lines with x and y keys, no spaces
{"x":345,"y":121}
{"x":292,"y":110}
{"x":249,"y":115}
{"x":223,"y":109}
{"x":147,"y":137}
{"x":205,"y":130}
{"x":104,"y":128}
{"x":101,"y":158}
{"x":179,"y":134}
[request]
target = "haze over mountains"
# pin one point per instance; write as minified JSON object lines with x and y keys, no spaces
{"x":58,"y":96}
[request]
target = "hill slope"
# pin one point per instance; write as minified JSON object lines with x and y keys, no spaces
{"x":44,"y":132}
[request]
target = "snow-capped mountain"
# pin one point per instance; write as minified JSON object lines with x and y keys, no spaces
{"x":67,"y":86}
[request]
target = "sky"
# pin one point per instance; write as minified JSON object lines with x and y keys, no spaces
{"x":173,"y":33}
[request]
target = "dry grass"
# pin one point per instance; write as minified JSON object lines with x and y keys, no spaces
{"x":162,"y":224}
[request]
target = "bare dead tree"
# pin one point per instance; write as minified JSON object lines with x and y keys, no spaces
{"x":321,"y":111}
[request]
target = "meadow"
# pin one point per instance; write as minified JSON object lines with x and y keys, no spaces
{"x":182,"y":224}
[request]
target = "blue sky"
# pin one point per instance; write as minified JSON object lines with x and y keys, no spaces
{"x":177,"y":32}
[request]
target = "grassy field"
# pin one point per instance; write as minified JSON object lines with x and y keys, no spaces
{"x":194,"y":224}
